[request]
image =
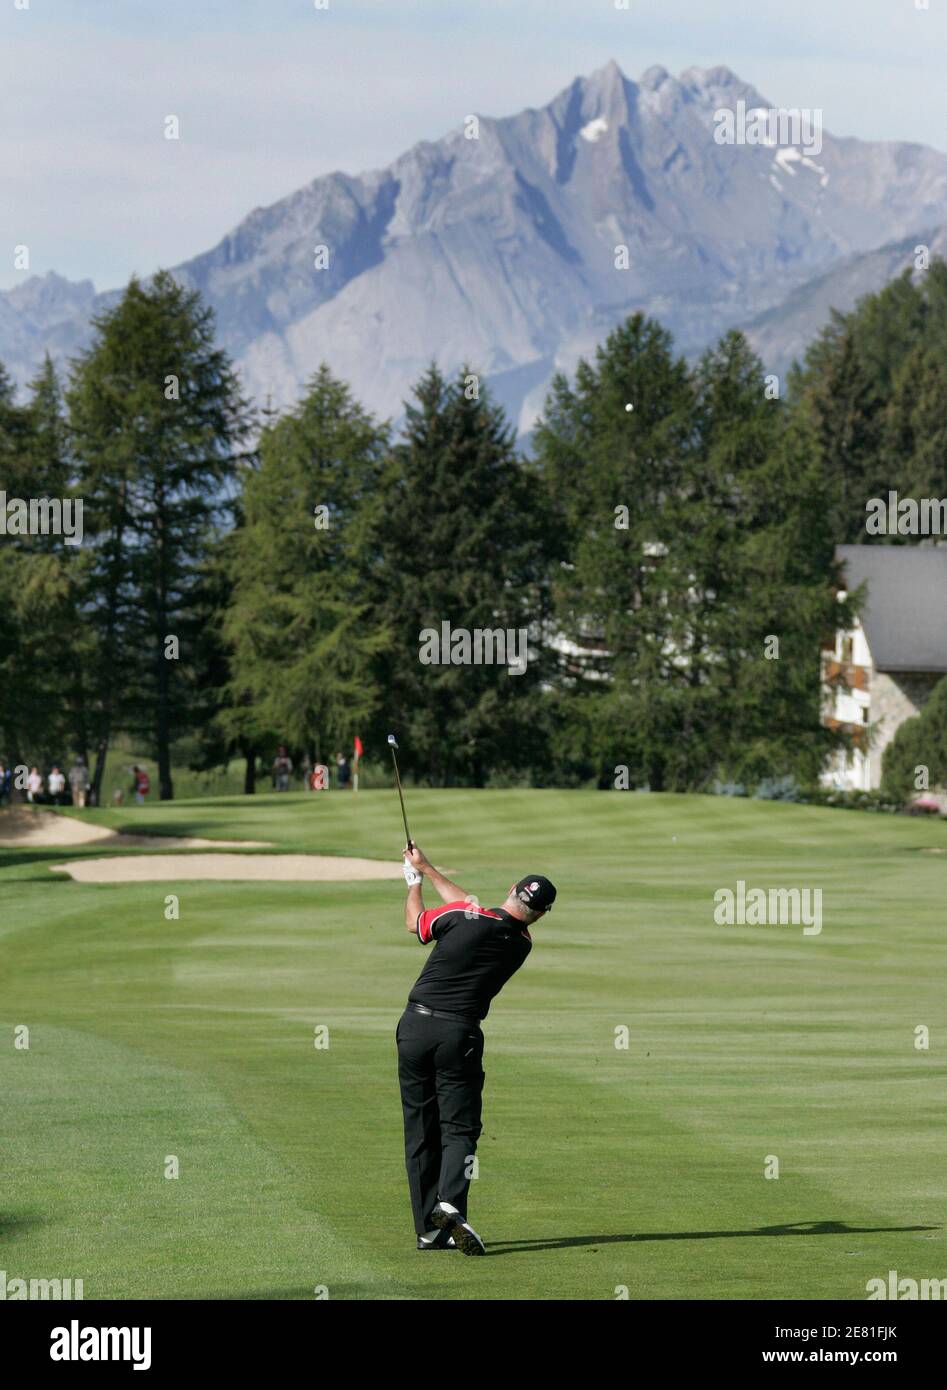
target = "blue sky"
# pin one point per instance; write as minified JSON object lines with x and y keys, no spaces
{"x":271,"y":93}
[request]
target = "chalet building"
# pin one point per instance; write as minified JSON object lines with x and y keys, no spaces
{"x":882,"y":671}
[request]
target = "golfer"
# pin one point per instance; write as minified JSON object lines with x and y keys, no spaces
{"x":440,"y":1044}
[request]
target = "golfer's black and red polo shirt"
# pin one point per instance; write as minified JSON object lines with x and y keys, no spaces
{"x":478,"y":949}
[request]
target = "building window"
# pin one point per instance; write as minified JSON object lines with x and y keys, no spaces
{"x":847,"y":648}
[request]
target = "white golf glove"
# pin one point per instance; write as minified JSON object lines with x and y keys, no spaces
{"x":411,"y":875}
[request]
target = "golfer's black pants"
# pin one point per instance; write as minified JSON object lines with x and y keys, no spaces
{"x":440,"y":1069}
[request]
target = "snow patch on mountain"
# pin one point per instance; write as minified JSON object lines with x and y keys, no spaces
{"x":787,"y":155}
{"x":594,"y":130}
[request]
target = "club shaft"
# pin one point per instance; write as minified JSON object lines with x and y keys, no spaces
{"x":404,"y":814}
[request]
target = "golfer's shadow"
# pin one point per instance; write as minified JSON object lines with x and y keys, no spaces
{"x":789,"y":1228}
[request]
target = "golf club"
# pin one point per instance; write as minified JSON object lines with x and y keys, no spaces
{"x":393,"y":745}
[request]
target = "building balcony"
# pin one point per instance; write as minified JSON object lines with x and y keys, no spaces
{"x":857,"y":734}
{"x":844,"y":673}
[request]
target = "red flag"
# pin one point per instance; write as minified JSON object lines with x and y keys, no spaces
{"x":359,"y":750}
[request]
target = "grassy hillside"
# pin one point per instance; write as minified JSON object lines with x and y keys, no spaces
{"x":600,"y":1167}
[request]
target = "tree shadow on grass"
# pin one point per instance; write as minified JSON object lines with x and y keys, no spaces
{"x":789,"y":1228}
{"x":367,"y":1291}
{"x":290,"y":1293}
{"x":14,"y":1224}
{"x":11,"y":858}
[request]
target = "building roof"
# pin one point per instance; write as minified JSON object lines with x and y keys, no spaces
{"x":904,"y":615}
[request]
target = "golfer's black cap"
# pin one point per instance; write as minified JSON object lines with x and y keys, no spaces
{"x":536,"y":892}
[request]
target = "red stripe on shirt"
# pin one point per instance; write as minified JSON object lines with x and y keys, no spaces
{"x":429,"y":916}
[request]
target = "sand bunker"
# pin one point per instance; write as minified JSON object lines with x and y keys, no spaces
{"x":279,"y":868}
{"x":25,"y":827}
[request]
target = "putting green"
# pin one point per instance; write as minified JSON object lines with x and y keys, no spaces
{"x":602,"y":1167}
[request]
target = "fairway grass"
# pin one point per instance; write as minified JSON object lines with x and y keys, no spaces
{"x":602,"y":1168}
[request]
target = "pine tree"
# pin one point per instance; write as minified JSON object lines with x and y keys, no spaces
{"x":157,"y":421}
{"x":872,"y":394}
{"x":44,"y":645}
{"x":299,"y":628}
{"x":463,"y":538}
{"x":847,"y":411}
{"x":694,"y":532}
{"x":18,"y":715}
{"x":762,"y":594}
{"x":613,"y":449}
{"x":915,"y":427}
{"x":60,"y":643}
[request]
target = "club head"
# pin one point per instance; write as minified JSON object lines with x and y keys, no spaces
{"x":392,"y":741}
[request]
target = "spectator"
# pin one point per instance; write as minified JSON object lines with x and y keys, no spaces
{"x":141,"y":784}
{"x":343,"y":771}
{"x":79,"y":781}
{"x":34,"y":785}
{"x":56,"y":785}
{"x":282,"y":769}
